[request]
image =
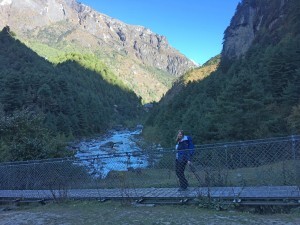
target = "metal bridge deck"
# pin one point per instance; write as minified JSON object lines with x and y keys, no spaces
{"x":264,"y":195}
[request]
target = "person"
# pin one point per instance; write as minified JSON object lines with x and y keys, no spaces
{"x":185,"y":151}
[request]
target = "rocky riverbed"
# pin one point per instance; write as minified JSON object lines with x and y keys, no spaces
{"x":117,"y":150}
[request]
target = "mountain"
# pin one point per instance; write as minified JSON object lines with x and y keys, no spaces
{"x":254,"y":92}
{"x":74,"y":100}
{"x":43,"y":105}
{"x":140,"y":58}
{"x":194,"y":75}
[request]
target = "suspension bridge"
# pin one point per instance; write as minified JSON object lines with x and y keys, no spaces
{"x":256,"y":172}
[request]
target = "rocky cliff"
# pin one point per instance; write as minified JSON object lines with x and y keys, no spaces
{"x":141,"y":58}
{"x":254,"y":21}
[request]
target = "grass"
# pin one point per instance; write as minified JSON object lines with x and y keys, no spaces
{"x":280,"y":173}
{"x":115,"y":212}
{"x":69,"y":176}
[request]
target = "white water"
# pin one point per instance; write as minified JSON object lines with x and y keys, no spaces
{"x":100,"y":157}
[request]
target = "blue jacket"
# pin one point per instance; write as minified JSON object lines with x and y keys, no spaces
{"x":185,"y":149}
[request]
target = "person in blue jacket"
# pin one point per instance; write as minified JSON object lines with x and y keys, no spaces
{"x":185,"y":151}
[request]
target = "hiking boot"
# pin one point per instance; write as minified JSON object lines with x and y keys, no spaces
{"x":182,"y":189}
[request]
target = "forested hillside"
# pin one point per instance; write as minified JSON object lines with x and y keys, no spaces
{"x":42,"y":105}
{"x":140,"y":58}
{"x":194,"y":75}
{"x":252,"y":95}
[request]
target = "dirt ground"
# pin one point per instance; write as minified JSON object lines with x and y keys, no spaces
{"x":105,"y":213}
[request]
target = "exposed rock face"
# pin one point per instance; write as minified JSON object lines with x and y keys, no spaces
{"x":240,"y":35}
{"x":251,"y":16}
{"x":130,"y":51}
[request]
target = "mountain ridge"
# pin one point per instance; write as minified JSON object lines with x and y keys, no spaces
{"x":134,"y":53}
{"x":254,"y":92}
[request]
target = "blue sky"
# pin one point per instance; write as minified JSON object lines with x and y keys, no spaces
{"x":194,"y":27}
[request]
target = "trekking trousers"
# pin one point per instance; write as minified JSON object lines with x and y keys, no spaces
{"x":179,"y":169}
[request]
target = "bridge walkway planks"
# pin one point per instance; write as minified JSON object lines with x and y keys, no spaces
{"x":263,"y":195}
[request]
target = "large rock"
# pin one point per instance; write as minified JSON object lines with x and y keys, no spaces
{"x":251,"y":17}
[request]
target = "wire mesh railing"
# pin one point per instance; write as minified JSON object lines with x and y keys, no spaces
{"x":266,"y":162}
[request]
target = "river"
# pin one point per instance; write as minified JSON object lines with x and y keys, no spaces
{"x":118,"y":150}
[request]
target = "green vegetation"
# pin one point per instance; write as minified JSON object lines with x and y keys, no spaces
{"x":55,"y":44}
{"x":162,"y":76}
{"x":55,"y":103}
{"x":256,"y":96}
{"x":213,"y":61}
{"x":65,"y":174}
{"x":281,"y":173}
{"x":23,"y":137}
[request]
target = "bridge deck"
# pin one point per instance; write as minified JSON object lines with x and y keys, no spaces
{"x":273,"y":195}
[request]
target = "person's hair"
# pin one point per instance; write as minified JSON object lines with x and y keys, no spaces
{"x":179,"y":131}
